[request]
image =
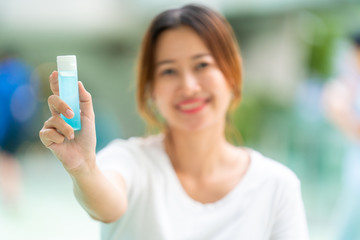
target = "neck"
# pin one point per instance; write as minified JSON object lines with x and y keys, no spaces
{"x":197,"y":153}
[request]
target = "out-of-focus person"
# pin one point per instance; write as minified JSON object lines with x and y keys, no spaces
{"x":18,"y":105}
{"x":342,"y":105}
{"x":188,"y":181}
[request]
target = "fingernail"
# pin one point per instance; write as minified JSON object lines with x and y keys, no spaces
{"x":72,"y":136}
{"x":69,"y":113}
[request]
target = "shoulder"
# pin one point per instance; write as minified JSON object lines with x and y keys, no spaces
{"x":276,"y":181}
{"x":268,"y":170}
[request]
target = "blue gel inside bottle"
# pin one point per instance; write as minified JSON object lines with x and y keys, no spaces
{"x":69,"y":93}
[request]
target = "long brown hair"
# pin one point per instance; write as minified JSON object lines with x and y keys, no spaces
{"x":217,"y":34}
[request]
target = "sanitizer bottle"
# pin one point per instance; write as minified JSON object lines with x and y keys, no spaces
{"x":68,"y":88}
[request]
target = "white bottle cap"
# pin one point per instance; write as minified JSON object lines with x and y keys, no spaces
{"x":66,"y":63}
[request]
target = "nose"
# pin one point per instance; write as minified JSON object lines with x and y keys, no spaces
{"x":190,"y":84}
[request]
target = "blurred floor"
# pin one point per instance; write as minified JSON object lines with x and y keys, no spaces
{"x":47,"y":209}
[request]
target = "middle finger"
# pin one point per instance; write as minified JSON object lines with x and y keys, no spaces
{"x":58,"y":106}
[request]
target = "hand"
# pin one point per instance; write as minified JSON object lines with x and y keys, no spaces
{"x":75,"y":151}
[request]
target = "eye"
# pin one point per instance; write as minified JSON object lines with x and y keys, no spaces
{"x":168,"y":71}
{"x":201,"y":65}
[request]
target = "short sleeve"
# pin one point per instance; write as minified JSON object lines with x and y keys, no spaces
{"x":290,"y":219}
{"x":120,"y":156}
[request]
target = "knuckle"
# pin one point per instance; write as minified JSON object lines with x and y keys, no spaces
{"x":46,"y":123}
{"x":55,"y":101}
{"x":56,"y":118}
{"x":51,"y":98}
{"x":52,"y":102}
{"x":41,"y":133}
{"x":50,"y":120}
{"x":43,"y":136}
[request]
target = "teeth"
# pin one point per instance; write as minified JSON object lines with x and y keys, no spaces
{"x":191,"y":106}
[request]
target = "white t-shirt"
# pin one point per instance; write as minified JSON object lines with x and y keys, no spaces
{"x":265,"y":204}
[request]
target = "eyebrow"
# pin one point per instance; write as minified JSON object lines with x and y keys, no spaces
{"x":172,"y":61}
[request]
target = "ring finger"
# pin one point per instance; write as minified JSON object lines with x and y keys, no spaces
{"x":61,"y":126}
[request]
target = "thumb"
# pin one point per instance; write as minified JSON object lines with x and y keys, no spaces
{"x":86,"y":105}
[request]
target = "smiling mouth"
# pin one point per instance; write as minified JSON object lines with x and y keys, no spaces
{"x":192,"y":105}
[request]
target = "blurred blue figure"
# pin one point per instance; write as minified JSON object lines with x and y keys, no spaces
{"x":18,"y":105}
{"x":342,"y":102}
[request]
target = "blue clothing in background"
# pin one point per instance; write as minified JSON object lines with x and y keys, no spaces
{"x":18,"y":102}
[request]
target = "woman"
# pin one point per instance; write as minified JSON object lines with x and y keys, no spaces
{"x":188,"y":182}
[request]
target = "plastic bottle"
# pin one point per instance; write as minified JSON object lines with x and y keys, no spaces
{"x":68,"y":88}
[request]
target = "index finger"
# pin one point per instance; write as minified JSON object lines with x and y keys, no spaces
{"x":54,"y":83}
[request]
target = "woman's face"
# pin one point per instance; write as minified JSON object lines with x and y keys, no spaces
{"x":190,"y":91}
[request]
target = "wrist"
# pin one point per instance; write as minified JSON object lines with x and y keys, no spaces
{"x":86,"y":167}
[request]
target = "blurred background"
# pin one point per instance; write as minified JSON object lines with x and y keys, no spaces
{"x":290,"y":50}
